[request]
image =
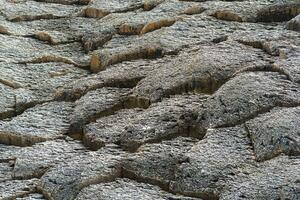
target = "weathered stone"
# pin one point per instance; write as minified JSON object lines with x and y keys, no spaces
{"x":156,"y":163}
{"x":12,"y":51}
{"x":17,"y":188}
{"x":7,"y":102}
{"x":100,"y":60}
{"x":126,"y":74}
{"x":294,"y":24}
{"x":208,"y":68}
{"x":250,"y":94}
{"x":32,"y":10}
{"x":270,"y":180}
{"x":107,"y":130}
{"x":36,"y":160}
{"x":32,"y":196}
{"x":212,"y":162}
{"x":67,"y":179}
{"x":275,"y":132}
{"x":165,"y":120}
{"x":125,"y":189}
{"x":203,"y":95}
{"x":101,"y":8}
{"x":95,"y":104}
{"x":6,"y":171}
{"x":40,"y":123}
{"x":254,"y":11}
{"x":37,"y":83}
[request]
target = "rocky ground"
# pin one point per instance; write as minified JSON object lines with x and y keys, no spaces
{"x":149,"y":99}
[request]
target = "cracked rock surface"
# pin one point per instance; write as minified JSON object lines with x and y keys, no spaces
{"x":149,"y":99}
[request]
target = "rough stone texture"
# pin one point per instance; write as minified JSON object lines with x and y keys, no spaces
{"x":149,"y":99}
{"x":36,"y":160}
{"x":294,"y":24}
{"x":212,"y":162}
{"x":254,"y":11}
{"x":37,"y":83}
{"x":31,"y":10}
{"x":17,"y":188}
{"x":66,"y":179}
{"x":269,"y":180}
{"x":97,"y":103}
{"x":13,"y":51}
{"x":276,"y":132}
{"x":40,"y":123}
{"x":8,"y":102}
{"x":250,"y":94}
{"x":165,"y":120}
{"x":156,"y":163}
{"x":208,"y":68}
{"x":108,"y":130}
{"x":125,"y":189}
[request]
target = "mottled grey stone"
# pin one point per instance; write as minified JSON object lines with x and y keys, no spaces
{"x":250,"y":94}
{"x":32,"y":10}
{"x":67,"y":179}
{"x":108,"y":130}
{"x":294,"y":24}
{"x":164,"y":120}
{"x":274,"y":179}
{"x":95,"y":104}
{"x":40,"y":123}
{"x":208,"y":67}
{"x":36,"y":160}
{"x":275,"y":133}
{"x":125,"y":189}
{"x":7,"y":101}
{"x":212,"y":162}
{"x":156,"y":163}
{"x":17,"y":188}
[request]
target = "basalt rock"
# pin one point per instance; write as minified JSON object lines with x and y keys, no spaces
{"x":149,"y":99}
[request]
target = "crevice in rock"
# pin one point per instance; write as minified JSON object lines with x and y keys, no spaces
{"x":33,"y":18}
{"x":128,"y":29}
{"x":100,"y":60}
{"x":220,"y":39}
{"x":66,"y":2}
{"x":266,"y":68}
{"x":260,"y":112}
{"x":278,"y":13}
{"x":53,"y":58}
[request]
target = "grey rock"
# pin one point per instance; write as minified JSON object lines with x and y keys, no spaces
{"x":37,"y":83}
{"x":7,"y":101}
{"x":156,"y":163}
{"x":294,"y":24}
{"x":32,"y":10}
{"x":207,"y":69}
{"x":17,"y":188}
{"x":36,"y":160}
{"x":32,"y":196}
{"x":108,"y":130}
{"x":270,"y":180}
{"x":275,"y":133}
{"x":212,"y":162}
{"x":254,"y":11}
{"x":125,"y":189}
{"x":250,"y":94}
{"x":95,"y":104}
{"x":67,"y":179}
{"x":101,"y":8}
{"x":12,"y":51}
{"x":40,"y":123}
{"x":161,"y":121}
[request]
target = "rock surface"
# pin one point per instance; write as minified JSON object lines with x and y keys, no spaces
{"x":149,"y":99}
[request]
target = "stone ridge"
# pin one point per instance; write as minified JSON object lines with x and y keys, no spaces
{"x":149,"y":99}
